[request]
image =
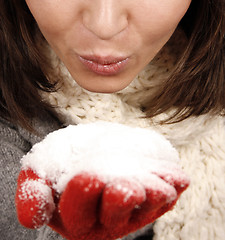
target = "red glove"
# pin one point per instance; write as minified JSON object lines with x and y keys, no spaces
{"x":92,"y":209}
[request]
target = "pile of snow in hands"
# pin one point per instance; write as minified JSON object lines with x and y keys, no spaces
{"x":109,"y":150}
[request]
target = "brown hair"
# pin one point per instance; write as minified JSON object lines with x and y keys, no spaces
{"x":195,"y":87}
{"x":20,"y":73}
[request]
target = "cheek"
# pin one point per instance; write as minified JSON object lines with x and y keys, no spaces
{"x":54,"y":16}
{"x":160,"y":19}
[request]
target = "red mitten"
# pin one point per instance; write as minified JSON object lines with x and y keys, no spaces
{"x":98,"y":200}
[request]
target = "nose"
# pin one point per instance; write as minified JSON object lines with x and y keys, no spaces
{"x":105,"y":18}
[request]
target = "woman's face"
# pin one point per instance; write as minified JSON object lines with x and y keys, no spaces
{"x":106,"y":43}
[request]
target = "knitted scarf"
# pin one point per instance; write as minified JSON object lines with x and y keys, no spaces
{"x":200,"y":212}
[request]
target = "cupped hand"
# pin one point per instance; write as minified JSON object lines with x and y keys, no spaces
{"x":98,"y":181}
{"x":92,"y":209}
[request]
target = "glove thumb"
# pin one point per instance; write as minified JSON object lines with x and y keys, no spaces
{"x":34,"y":200}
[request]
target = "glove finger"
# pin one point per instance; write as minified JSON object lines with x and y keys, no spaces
{"x":79,"y":202}
{"x":119,"y":199}
{"x":34,"y":200}
{"x":175,"y":177}
{"x":158,"y":194}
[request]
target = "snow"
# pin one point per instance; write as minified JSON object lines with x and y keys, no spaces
{"x":34,"y":189}
{"x":108,"y":150}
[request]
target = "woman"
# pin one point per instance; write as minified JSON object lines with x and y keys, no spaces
{"x":104,"y":45}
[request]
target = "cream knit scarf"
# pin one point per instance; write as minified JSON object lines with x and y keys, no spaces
{"x":200,"y":212}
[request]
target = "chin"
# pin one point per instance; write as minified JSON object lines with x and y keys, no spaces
{"x":102,"y":89}
{"x":104,"y":84}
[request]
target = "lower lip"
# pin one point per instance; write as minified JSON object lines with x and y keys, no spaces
{"x":104,"y":69}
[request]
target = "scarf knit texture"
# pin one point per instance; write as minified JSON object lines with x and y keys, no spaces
{"x":200,"y":212}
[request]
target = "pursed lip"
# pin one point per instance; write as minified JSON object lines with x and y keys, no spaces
{"x":104,"y":65}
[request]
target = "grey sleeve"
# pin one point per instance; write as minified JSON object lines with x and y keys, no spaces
{"x":12,"y":147}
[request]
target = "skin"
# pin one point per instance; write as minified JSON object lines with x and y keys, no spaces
{"x":132,"y":29}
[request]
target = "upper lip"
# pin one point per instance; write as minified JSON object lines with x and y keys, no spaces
{"x":103,"y":60}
